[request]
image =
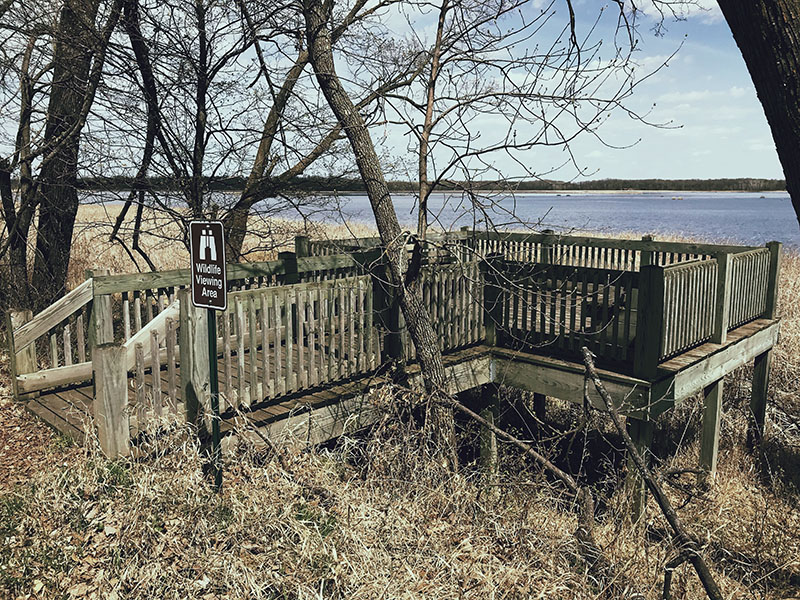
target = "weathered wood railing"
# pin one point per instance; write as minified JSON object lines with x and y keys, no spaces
{"x":305,"y":321}
{"x":453,"y":295}
{"x":749,"y":283}
{"x":688,"y":310}
{"x":558,"y":309}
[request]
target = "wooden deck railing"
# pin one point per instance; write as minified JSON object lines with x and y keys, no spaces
{"x":688,"y":306}
{"x":307,"y":321}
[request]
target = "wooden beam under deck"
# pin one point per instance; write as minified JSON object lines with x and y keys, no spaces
{"x":693,"y":371}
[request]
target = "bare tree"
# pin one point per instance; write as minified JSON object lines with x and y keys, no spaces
{"x":503,"y":78}
{"x":318,"y":17}
{"x":65,"y":82}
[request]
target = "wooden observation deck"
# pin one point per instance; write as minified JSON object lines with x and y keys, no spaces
{"x":305,"y":337}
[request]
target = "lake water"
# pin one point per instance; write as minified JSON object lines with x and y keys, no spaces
{"x":746,"y":218}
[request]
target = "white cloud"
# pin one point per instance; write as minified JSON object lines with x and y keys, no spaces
{"x":706,"y":11}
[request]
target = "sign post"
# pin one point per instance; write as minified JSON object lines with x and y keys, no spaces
{"x":209,"y":290}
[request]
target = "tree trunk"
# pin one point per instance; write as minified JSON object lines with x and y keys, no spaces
{"x":768,"y":35}
{"x":57,"y":193}
{"x":317,"y":17}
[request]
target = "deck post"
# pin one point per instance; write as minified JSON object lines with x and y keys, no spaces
{"x":392,"y":318}
{"x":490,"y":411}
{"x":195,"y":375}
{"x":650,"y":322}
{"x":101,"y":320}
{"x":291,"y":276}
{"x":492,"y":297}
{"x":723,"y":299}
{"x":775,"y":252}
{"x":22,"y":361}
{"x":111,"y":399}
{"x":647,"y":257}
{"x":548,"y":254}
{"x":641,"y":433}
{"x":709,"y":437}
{"x":758,"y":398}
{"x":302,"y":246}
{"x":539,"y":406}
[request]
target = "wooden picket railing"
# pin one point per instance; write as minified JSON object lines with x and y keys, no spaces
{"x":453,"y":295}
{"x":558,"y":309}
{"x":306,"y":321}
{"x":688,"y":311}
{"x":749,"y":283}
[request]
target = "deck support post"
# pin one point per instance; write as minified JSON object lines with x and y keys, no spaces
{"x":650,"y":322}
{"x":775,"y":252}
{"x":302,"y":246}
{"x":111,"y":399}
{"x":492,"y":297}
{"x":709,"y":437}
{"x":758,"y":398}
{"x":101,"y":319}
{"x":723,"y":299}
{"x":539,"y":406}
{"x":387,"y":309}
{"x":22,"y":361}
{"x":647,"y":257}
{"x":194,"y":360}
{"x":641,"y":433}
{"x":290,"y":277}
{"x":490,"y":402}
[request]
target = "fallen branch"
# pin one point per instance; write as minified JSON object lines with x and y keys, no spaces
{"x":591,"y":552}
{"x":687,"y":545}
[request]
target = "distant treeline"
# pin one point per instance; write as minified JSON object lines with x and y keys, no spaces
{"x":327,"y":184}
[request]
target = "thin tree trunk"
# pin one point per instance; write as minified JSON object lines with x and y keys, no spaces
{"x":317,"y":17}
{"x":768,"y":35}
{"x":57,"y":196}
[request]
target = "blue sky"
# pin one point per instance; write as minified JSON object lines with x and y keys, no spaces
{"x":717,"y":126}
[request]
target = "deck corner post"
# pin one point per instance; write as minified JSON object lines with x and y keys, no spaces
{"x":492,"y":297}
{"x":548,"y":247}
{"x":641,"y":432}
{"x":289,"y":267}
{"x":650,"y":322}
{"x":723,"y":299}
{"x":540,"y":406}
{"x":709,"y":436}
{"x":195,"y":376}
{"x":291,"y":276}
{"x":110,"y":404}
{"x":490,"y":402}
{"x":101,"y":320}
{"x":647,"y":256}
{"x":22,"y":361}
{"x":385,"y":302}
{"x":302,"y":246}
{"x":775,"y":253}
{"x":758,"y":398}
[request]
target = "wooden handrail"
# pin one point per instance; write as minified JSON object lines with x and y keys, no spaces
{"x":159,"y":324}
{"x":53,"y":315}
{"x":112,"y":284}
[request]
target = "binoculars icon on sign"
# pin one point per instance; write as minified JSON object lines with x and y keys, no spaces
{"x":208,"y":246}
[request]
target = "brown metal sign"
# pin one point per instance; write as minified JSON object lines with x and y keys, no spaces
{"x":209,"y":285}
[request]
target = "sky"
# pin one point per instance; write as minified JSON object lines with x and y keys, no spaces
{"x":717,"y":125}
{"x":712,"y":124}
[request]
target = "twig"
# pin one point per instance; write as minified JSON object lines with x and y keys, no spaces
{"x":686,"y":543}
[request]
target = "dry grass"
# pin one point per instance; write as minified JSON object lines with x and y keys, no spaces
{"x":376,"y":517}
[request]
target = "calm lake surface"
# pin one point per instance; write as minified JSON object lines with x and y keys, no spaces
{"x":746,"y":218}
